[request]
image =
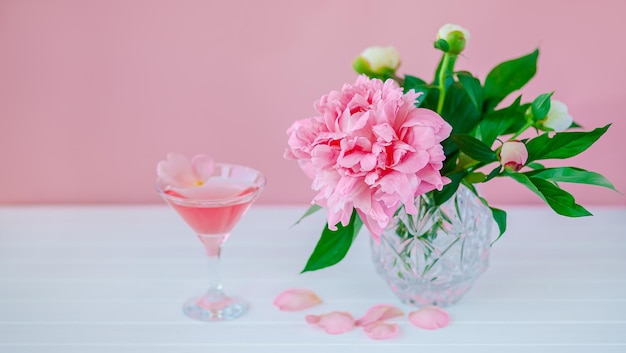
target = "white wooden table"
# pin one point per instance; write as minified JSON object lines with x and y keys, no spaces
{"x":112,"y":279}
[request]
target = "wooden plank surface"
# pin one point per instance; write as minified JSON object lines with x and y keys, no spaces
{"x":113,"y":278}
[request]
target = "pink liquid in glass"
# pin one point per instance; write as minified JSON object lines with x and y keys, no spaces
{"x":214,"y":220}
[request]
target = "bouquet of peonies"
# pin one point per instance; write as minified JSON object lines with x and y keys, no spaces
{"x":381,"y":142}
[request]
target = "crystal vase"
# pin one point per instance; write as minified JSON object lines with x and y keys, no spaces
{"x":434,"y":257}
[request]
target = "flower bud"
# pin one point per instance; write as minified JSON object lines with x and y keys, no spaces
{"x":377,"y":61}
{"x":558,"y":119}
{"x":456,"y":36}
{"x":513,"y":155}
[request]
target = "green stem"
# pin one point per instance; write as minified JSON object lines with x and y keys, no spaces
{"x":442,"y":81}
{"x":528,"y":124}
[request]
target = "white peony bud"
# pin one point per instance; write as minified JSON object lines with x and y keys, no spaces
{"x":456,"y":36}
{"x":558,"y":119}
{"x":377,"y":60}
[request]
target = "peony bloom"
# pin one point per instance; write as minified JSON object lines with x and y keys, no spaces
{"x":513,"y":155}
{"x":377,"y":61}
{"x":558,"y":119}
{"x":369,"y":149}
{"x":456,"y":36}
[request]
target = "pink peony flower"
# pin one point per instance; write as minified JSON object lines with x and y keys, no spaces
{"x":369,"y":149}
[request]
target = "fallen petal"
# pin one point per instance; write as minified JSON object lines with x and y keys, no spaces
{"x":381,"y":330}
{"x":379,"y":313}
{"x":333,"y":323}
{"x":430,"y":318}
{"x":296,"y":299}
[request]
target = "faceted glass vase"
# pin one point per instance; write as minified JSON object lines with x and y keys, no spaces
{"x":435,"y":257}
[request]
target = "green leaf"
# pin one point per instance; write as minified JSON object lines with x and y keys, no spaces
{"x":499,"y":122}
{"x":563,"y":144}
{"x":494,"y":173}
{"x":571,"y":175}
{"x":310,"y":211}
{"x":508,"y":77}
{"x":474,"y":148}
{"x":500,"y":217}
{"x":459,"y":111}
{"x":333,"y":245}
{"x":541,"y":106}
{"x":410,"y":82}
{"x":442,"y":45}
{"x":473,"y":88}
{"x":558,"y":199}
{"x":535,"y":165}
{"x":419,"y":86}
{"x":449,"y":190}
{"x":475,"y":177}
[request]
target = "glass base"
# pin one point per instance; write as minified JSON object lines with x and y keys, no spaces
{"x":199,"y":308}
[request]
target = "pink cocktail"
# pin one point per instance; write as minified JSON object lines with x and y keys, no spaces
{"x":212,"y":211}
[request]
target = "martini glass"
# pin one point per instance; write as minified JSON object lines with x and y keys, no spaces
{"x":212,"y":214}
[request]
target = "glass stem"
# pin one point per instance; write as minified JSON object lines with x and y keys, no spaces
{"x":215,"y":292}
{"x":213,"y":247}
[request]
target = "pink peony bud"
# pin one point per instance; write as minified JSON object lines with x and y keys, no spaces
{"x":513,"y":155}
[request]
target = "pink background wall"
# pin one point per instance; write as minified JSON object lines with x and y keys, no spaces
{"x":94,"y":93}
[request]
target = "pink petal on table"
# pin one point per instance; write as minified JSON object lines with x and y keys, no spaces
{"x":381,"y":330}
{"x":333,"y":323}
{"x":430,"y":318}
{"x":296,"y":299}
{"x":379,"y":313}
